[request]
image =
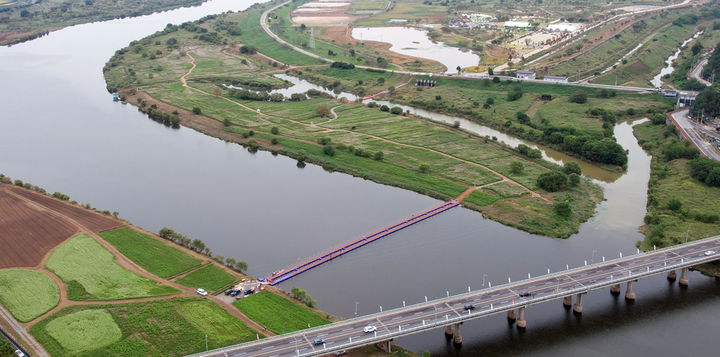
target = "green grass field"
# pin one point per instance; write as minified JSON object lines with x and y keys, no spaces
{"x":153,"y":255}
{"x":92,"y":274}
{"x":84,"y":331}
{"x":209,"y":277}
{"x":277,"y":313}
{"x":27,"y":294}
{"x":174,"y":327}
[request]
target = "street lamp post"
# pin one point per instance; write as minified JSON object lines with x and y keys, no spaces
{"x":484,"y":276}
{"x":356,"y":305}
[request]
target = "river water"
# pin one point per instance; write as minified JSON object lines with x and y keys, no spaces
{"x":657,"y":80}
{"x":61,"y":130}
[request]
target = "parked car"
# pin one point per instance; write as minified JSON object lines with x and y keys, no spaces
{"x":19,"y":353}
{"x":318,"y":341}
{"x":202,"y":292}
{"x":469,"y":307}
{"x":340,"y":353}
{"x":229,"y":292}
{"x":369,"y":329}
{"x":235,"y":293}
{"x":249,"y":292}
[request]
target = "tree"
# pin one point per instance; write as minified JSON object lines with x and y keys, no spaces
{"x":230,"y":262}
{"x":379,"y":156}
{"x":241,"y":266}
{"x":496,"y":79}
{"x":516,"y":167}
{"x":226,"y":122}
{"x":579,"y":97}
{"x":657,"y":119}
{"x":329,"y":150}
{"x":572,"y":167}
{"x":459,"y":69}
{"x":396,"y":110}
{"x":514,"y":93}
{"x":675,"y":205}
{"x":552,"y":181}
{"x":696,"y":48}
{"x":322,"y":110}
{"x":708,"y":101}
{"x":490,"y":71}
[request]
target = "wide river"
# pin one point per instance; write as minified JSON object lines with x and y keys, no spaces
{"x":59,"y":129}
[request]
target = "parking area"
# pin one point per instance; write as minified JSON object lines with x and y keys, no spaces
{"x":241,"y":290}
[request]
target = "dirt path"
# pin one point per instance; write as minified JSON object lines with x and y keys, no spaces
{"x":465,"y":194}
{"x":472,"y":163}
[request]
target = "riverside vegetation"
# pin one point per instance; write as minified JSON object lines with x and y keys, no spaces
{"x":186,"y":69}
{"x":27,"y":20}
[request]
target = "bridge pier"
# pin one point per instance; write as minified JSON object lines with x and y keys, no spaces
{"x":449,"y":332}
{"x":521,"y":323}
{"x":629,"y":294}
{"x":577,"y":308}
{"x":615,"y":289}
{"x":511,"y":316}
{"x":672,"y":275}
{"x":567,"y":301}
{"x":683,"y":277}
{"x":457,"y":338}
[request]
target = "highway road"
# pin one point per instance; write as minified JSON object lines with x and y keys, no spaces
{"x":695,"y":73}
{"x":690,"y":130}
{"x":491,"y":300}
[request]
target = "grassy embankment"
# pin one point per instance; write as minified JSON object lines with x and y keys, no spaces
{"x":415,"y":154}
{"x":412,"y":11}
{"x":263,"y":308}
{"x":24,"y":22}
{"x":209,"y":277}
{"x":670,"y":181}
{"x":172,"y":327}
{"x":92,"y":273}
{"x":27,"y":294}
{"x":151,"y":254}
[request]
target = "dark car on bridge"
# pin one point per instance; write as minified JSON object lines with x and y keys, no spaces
{"x":318,"y":341}
{"x":469,"y":307}
{"x":525,"y":294}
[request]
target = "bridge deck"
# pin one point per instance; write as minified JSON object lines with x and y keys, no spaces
{"x":279,"y":277}
{"x":440,"y":312}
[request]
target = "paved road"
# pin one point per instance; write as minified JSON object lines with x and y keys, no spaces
{"x":437,"y":313}
{"x":21,"y":334}
{"x":695,"y":73}
{"x":690,"y":130}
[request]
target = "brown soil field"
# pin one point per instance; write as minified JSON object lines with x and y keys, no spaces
{"x":95,"y":222}
{"x":27,"y":233}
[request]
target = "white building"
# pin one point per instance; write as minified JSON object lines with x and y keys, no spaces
{"x":556,"y":79}
{"x":525,"y":74}
{"x":517,"y":24}
{"x":563,"y":27}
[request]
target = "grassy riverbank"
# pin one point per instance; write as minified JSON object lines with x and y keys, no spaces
{"x":30,"y":19}
{"x":680,"y":208}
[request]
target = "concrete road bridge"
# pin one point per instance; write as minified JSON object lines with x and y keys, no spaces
{"x":511,"y":298}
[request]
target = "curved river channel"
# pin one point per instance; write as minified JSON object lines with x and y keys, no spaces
{"x":60,"y":130}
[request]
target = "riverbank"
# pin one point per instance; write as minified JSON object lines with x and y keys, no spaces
{"x":680,"y":208}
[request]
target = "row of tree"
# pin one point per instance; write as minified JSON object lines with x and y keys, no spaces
{"x":200,"y":247}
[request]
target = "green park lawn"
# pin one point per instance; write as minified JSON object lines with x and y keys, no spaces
{"x":92,"y":273}
{"x":173,"y":327}
{"x":209,"y":277}
{"x":153,"y":255}
{"x":27,"y":294}
{"x":277,"y":313}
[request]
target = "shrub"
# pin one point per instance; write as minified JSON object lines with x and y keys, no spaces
{"x":322,"y":110}
{"x":516,"y":167}
{"x":379,"y":156}
{"x":372,"y":104}
{"x":572,"y":167}
{"x":424,"y":168}
{"x":385,"y":108}
{"x":562,"y":209}
{"x":573,"y":179}
{"x":674,"y":205}
{"x":552,"y":181}
{"x":578,"y":97}
{"x":329,"y":150}
{"x":197,"y":110}
{"x":514,"y":94}
{"x":274,"y":130}
{"x":657,"y":119}
{"x":396,"y":110}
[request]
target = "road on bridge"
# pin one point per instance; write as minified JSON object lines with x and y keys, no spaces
{"x":451,"y":310}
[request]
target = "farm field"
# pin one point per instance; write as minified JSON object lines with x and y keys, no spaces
{"x":28,"y":233}
{"x":263,"y":306}
{"x":92,"y":274}
{"x":151,"y":254}
{"x":209,"y":277}
{"x":94,"y":221}
{"x":27,"y":294}
{"x":173,"y":327}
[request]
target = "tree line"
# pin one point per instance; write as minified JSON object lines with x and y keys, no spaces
{"x":199,"y":246}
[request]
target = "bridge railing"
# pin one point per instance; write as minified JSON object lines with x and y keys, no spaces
{"x":679,"y":262}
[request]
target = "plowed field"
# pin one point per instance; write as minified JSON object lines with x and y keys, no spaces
{"x":96,"y":222}
{"x":28,"y":233}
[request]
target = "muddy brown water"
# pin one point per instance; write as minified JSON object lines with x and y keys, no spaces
{"x":60,"y":130}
